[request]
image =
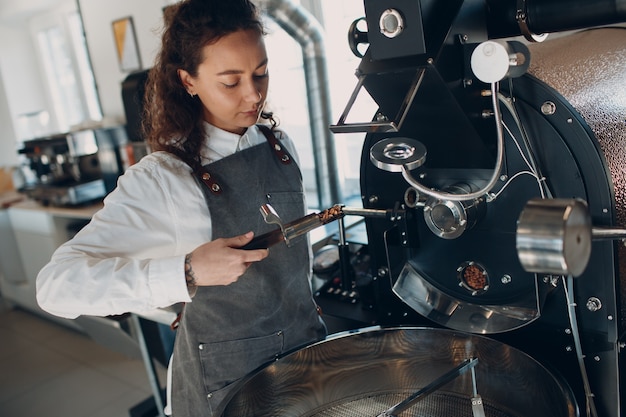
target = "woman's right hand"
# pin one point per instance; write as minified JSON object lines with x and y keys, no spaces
{"x":222,"y":262}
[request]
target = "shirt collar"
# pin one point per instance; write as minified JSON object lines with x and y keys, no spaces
{"x":220,"y":143}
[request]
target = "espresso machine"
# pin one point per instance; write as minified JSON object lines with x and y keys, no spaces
{"x":74,"y":168}
{"x":492,"y":281}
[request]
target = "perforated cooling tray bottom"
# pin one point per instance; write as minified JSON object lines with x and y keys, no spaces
{"x":434,"y":405}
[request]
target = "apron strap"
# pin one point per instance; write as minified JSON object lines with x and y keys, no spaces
{"x":275,"y":144}
{"x":204,"y":176}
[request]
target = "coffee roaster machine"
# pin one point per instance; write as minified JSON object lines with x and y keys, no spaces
{"x":493,"y":185}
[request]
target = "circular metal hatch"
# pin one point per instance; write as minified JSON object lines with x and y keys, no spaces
{"x":364,"y":373}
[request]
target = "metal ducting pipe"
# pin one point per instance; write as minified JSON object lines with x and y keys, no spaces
{"x":306,"y":30}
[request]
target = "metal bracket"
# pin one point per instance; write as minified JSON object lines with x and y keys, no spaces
{"x":384,"y":124}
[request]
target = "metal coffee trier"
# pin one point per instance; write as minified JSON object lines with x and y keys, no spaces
{"x":289,"y":231}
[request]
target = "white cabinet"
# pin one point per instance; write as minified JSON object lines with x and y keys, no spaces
{"x":37,"y":232}
{"x":10,"y":263}
{"x":36,"y":239}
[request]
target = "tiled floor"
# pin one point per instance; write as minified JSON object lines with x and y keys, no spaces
{"x":49,"y":370}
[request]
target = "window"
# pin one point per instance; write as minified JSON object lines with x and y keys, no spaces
{"x":83,"y":66}
{"x":63,"y":51}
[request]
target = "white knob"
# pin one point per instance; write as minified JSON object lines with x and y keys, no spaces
{"x":490,"y":62}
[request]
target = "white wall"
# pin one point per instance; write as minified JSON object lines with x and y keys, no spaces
{"x":12,"y":10}
{"x":97,"y":18}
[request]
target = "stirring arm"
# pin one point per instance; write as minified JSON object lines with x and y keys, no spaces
{"x":430,"y":388}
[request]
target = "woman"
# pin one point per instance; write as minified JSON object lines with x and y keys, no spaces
{"x":173,"y":229}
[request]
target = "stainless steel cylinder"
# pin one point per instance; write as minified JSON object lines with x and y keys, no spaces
{"x":554,"y":236}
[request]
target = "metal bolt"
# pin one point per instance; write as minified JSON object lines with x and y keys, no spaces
{"x":568,"y":331}
{"x":373,"y":199}
{"x":596,"y":358}
{"x":382,"y":271}
{"x":548,"y":108}
{"x":551,"y":279}
{"x":568,"y":348}
{"x":610,"y":318}
{"x":594,"y":304}
{"x":506,"y":279}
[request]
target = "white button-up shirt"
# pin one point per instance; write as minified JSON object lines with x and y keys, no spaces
{"x":130,"y":257}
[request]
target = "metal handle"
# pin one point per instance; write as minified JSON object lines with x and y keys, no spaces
{"x":270,"y":216}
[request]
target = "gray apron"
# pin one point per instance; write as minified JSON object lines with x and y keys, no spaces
{"x":228,"y":331}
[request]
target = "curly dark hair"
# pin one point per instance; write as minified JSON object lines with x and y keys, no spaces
{"x":172,"y":119}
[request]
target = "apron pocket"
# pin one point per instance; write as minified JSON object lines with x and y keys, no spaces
{"x":225,"y":362}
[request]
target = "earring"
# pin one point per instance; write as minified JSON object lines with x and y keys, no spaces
{"x":192,"y":95}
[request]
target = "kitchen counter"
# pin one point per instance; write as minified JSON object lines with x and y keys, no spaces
{"x":79,"y":212}
{"x":8,"y":198}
